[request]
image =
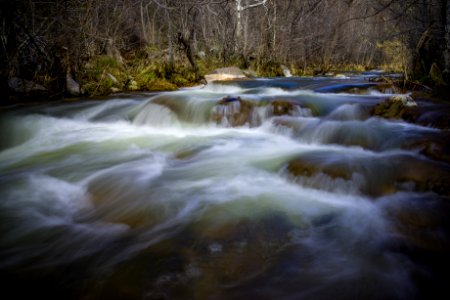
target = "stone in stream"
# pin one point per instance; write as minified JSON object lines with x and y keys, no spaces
{"x":425,"y":174}
{"x":397,"y":107}
{"x":341,"y":174}
{"x":234,"y":112}
{"x":283,"y":107}
{"x":371,"y":177}
{"x":435,"y":147}
{"x":238,"y":249}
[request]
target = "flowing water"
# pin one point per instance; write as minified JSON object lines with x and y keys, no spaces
{"x":180,"y":195}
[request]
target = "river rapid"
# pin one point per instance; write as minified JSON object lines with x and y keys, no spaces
{"x":295,"y":192}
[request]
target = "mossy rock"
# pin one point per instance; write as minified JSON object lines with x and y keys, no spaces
{"x":397,"y":107}
{"x":161,"y":85}
{"x":436,"y":75}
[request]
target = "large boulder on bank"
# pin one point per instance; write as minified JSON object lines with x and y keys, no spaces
{"x":73,"y":88}
{"x":228,"y":73}
{"x":397,"y":107}
{"x":286,"y":71}
{"x":20,"y":85}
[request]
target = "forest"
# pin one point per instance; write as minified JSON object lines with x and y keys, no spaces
{"x":165,"y":44}
{"x":225,"y":149}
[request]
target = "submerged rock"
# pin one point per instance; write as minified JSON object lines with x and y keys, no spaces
{"x":435,"y":147}
{"x":301,"y":167}
{"x":397,"y":107}
{"x":370,"y":176}
{"x":225,"y":74}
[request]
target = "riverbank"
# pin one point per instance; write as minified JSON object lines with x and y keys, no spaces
{"x":103,"y":75}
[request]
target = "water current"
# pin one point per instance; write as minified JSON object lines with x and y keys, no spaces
{"x":291,"y":191}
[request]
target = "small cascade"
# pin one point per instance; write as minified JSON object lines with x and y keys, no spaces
{"x":235,"y":112}
{"x":348,"y":112}
{"x":288,"y":108}
{"x":156,"y":115}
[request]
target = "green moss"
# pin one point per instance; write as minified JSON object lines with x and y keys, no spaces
{"x":160,"y":85}
{"x":396,"y":55}
{"x":269,"y":69}
{"x":95,"y":78}
{"x":98,"y":88}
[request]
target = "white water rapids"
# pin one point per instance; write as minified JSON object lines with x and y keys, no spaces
{"x":147,"y":197}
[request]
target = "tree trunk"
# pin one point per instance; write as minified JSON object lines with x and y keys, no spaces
{"x":186,"y":45}
{"x":446,"y":50}
{"x":238,"y":24}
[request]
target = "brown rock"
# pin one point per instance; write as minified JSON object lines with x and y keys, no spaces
{"x":283,"y":107}
{"x":418,"y":173}
{"x":435,"y":147}
{"x":234,"y":112}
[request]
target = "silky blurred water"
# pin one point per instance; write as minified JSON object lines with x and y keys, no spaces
{"x":149,"y":198}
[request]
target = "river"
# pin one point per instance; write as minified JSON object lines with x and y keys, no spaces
{"x":291,"y":191}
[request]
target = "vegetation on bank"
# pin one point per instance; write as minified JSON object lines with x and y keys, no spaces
{"x":130,"y":45}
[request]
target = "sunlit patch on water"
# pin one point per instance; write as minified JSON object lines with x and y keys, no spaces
{"x":303,"y":195}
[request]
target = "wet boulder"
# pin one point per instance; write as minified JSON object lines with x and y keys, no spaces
{"x":340,"y":175}
{"x":282,"y":108}
{"x":397,"y":107}
{"x":234,"y":250}
{"x":370,"y":176}
{"x":305,"y":167}
{"x":235,"y":112}
{"x":426,"y":175}
{"x":434,"y":146}
{"x":437,"y":118}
